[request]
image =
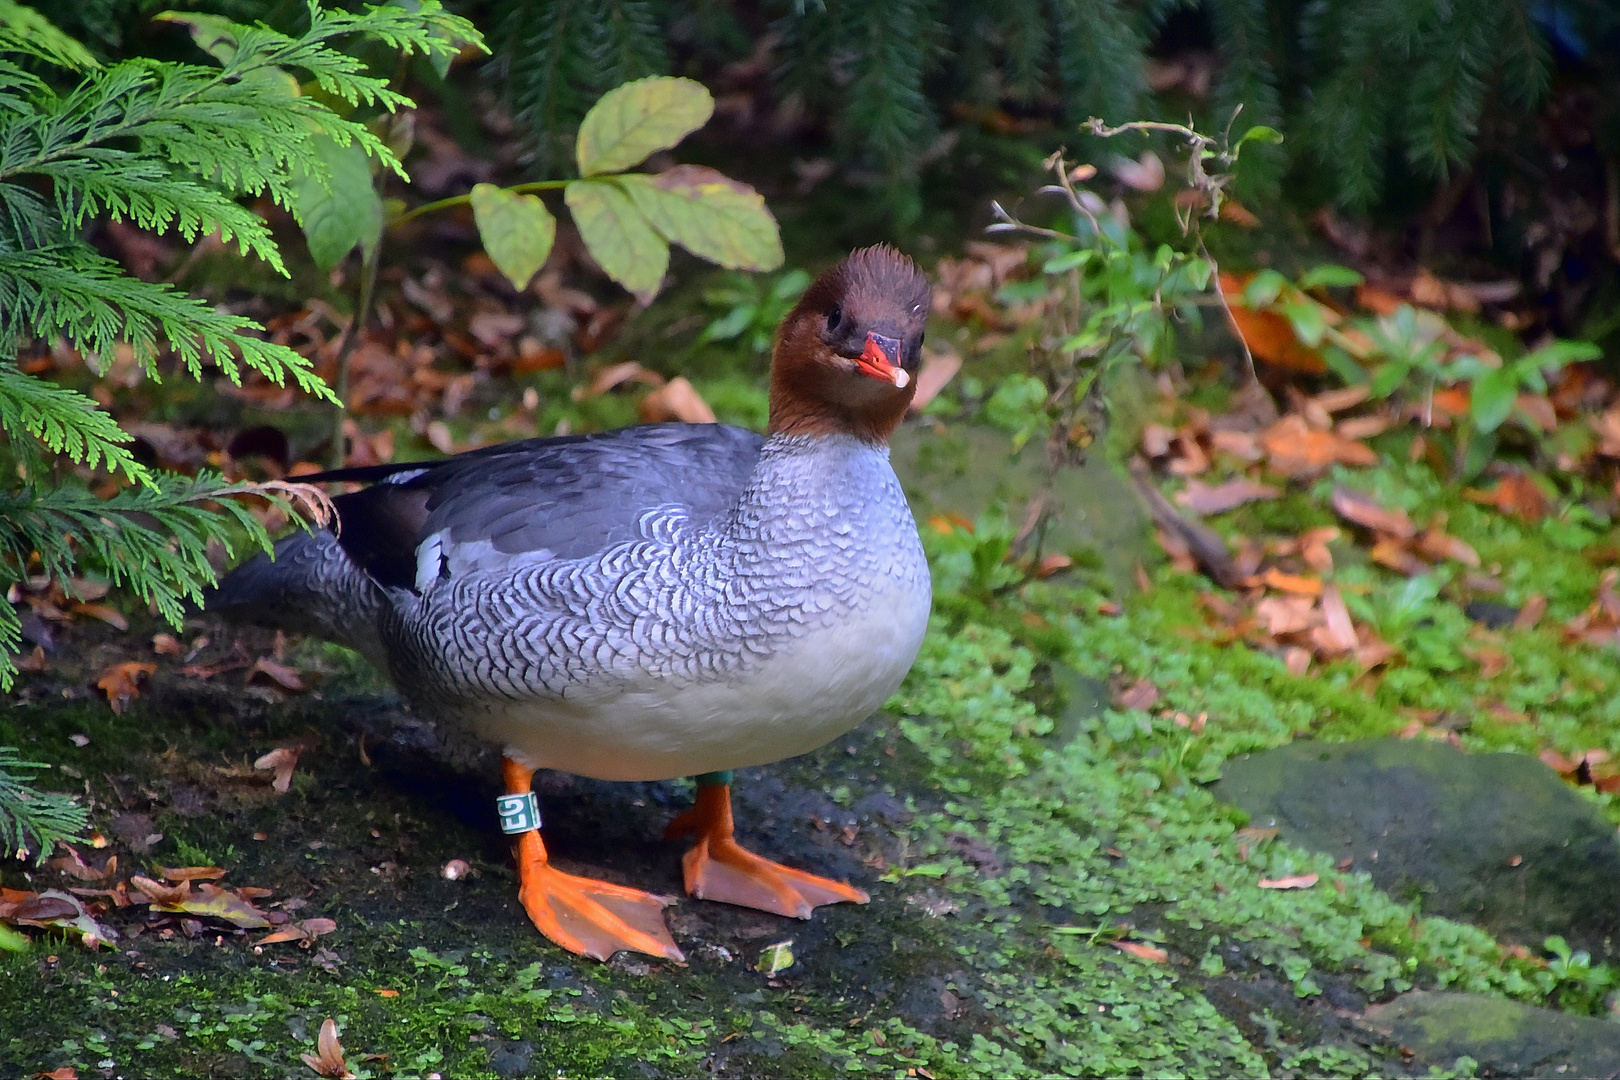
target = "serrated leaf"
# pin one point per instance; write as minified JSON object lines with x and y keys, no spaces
{"x":637,"y":119}
{"x":517,"y":231}
{"x":341,"y":209}
{"x":618,"y":236}
{"x":708,"y":214}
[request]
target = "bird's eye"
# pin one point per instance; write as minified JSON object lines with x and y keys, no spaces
{"x":834,"y":317}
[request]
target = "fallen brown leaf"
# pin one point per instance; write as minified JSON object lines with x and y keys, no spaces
{"x":1514,"y":494}
{"x":283,"y":759}
{"x":1359,"y":509}
{"x":109,"y":615}
{"x":304,"y":933}
{"x":1203,"y":498}
{"x":615,"y":375}
{"x":1530,"y":614}
{"x":1140,"y":695}
{"x":284,"y":676}
{"x":1287,"y":614}
{"x":328,"y":1061}
{"x":1337,"y":634}
{"x":939,"y":367}
{"x":166,"y":645}
{"x":1294,"y":449}
{"x":1296,"y":584}
{"x":121,"y":683}
{"x":1302,"y":881}
{"x":191,"y":873}
{"x":678,"y":400}
{"x":1142,"y":952}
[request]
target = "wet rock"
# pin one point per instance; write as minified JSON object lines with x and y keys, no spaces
{"x":967,"y":468}
{"x":1506,"y":1038}
{"x":1494,"y":839}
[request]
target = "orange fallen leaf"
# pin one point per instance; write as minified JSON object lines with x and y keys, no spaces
{"x":328,"y":1061}
{"x":109,"y":615}
{"x":1332,"y":401}
{"x":65,"y":1072}
{"x":304,"y":932}
{"x":1203,"y":498}
{"x":1393,"y":553}
{"x":283,"y":759}
{"x":1514,"y":494}
{"x":121,"y":683}
{"x":1363,"y":427}
{"x":1297,"y":659}
{"x":1297,"y":584}
{"x":678,"y":400}
{"x":1302,"y":881}
{"x":1313,"y":548}
{"x":1269,"y":336}
{"x":191,"y":873}
{"x":1359,"y":509}
{"x":381,"y":992}
{"x":166,"y":645}
{"x":1142,"y":952}
{"x":1295,"y":449}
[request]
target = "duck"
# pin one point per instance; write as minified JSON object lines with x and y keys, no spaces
{"x":648,"y":603}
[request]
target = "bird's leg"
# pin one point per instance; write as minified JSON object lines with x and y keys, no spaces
{"x":717,"y":868}
{"x":592,"y":918}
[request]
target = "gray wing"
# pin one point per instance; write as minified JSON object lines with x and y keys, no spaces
{"x":521,"y":502}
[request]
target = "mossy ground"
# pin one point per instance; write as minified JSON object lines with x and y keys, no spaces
{"x":1012,"y":827}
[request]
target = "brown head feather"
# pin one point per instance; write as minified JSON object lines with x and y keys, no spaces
{"x":817,"y":386}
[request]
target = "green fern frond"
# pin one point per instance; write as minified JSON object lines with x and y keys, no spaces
{"x":74,"y":291}
{"x":152,"y":540}
{"x":66,"y":421}
{"x":32,"y":821}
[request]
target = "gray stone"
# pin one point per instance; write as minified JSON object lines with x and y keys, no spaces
{"x":966,"y":468}
{"x":1506,"y":1038}
{"x":1494,"y":839}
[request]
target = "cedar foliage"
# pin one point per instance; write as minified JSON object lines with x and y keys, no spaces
{"x":171,"y":148}
{"x":1349,"y":81}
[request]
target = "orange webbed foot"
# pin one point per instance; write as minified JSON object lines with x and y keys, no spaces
{"x":718,"y":868}
{"x":590,"y":917}
{"x":583,"y":915}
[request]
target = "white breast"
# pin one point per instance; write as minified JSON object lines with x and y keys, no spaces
{"x":788,"y":703}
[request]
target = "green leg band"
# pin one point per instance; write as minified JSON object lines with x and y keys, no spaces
{"x":714,"y":779}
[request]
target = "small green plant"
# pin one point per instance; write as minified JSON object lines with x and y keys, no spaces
{"x":751,"y":308}
{"x":1110,"y":301}
{"x":1580,"y":985}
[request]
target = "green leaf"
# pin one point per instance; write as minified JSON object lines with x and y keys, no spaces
{"x":1263,"y":289}
{"x":517,"y":231}
{"x":1319,"y":277}
{"x":1259,"y":133}
{"x":1556,"y":355}
{"x":711,"y":216}
{"x":1307,"y":318}
{"x":342,"y":208}
{"x":1493,"y":396}
{"x":22,"y":29}
{"x":618,"y":236}
{"x":1071,"y":261}
{"x":638,"y":118}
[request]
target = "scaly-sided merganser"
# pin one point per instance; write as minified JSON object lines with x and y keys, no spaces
{"x":648,"y":603}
